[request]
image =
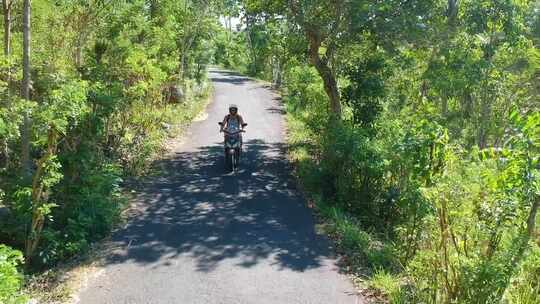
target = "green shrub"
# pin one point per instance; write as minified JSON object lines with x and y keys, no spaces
{"x":525,"y":287}
{"x":452,"y":220}
{"x":95,"y":204}
{"x":390,"y":285}
{"x":10,"y":279}
{"x":362,"y":248}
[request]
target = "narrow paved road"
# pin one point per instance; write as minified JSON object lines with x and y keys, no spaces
{"x":208,"y":237}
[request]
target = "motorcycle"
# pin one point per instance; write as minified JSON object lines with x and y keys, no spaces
{"x":232,"y":147}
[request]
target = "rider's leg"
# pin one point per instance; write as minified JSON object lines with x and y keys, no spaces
{"x":241,"y":147}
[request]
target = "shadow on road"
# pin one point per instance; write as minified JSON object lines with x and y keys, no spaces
{"x":196,"y":210}
{"x":277,"y":110}
{"x":233,"y":79}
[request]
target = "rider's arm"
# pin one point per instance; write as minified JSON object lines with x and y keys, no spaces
{"x":223,"y":123}
{"x":241,"y":121}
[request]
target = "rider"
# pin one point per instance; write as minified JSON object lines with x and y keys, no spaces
{"x":233,"y":119}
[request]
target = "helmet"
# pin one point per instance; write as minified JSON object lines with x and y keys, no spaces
{"x":233,"y":107}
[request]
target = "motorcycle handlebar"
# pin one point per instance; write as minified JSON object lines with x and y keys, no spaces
{"x":239,"y":131}
{"x":225,"y":131}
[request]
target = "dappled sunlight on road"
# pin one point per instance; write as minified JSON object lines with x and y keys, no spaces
{"x":199,"y":211}
{"x":200,"y":235}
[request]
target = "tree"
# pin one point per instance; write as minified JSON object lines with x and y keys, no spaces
{"x":322,"y":23}
{"x":25,"y":90}
{"x":332,"y":26}
{"x":195,"y":16}
{"x":7,"y":7}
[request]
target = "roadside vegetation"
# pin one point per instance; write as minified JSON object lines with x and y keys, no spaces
{"x":415,"y":129}
{"x":89,"y":92}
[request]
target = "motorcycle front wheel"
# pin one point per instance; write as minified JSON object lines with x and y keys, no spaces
{"x":236,"y":159}
{"x":229,"y":158}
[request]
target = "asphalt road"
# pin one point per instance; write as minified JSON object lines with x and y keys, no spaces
{"x":208,"y":237}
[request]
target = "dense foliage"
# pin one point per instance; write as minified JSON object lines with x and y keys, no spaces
{"x":10,"y":279}
{"x":108,"y":81}
{"x":416,"y":126}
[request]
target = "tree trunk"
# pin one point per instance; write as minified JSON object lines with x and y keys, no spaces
{"x":154,"y":6}
{"x":315,"y":40}
{"x":182,"y":70}
{"x":531,"y":221}
{"x":39,"y":197}
{"x":276,"y":71}
{"x":229,"y":27}
{"x":452,"y":12}
{"x":25,"y":90}
{"x":190,"y":34}
{"x":451,"y":15}
{"x":79,"y":51}
{"x":327,"y":74}
{"x":254,"y":64}
{"x":484,"y":119}
{"x":444,"y":107}
{"x":6,"y":5}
